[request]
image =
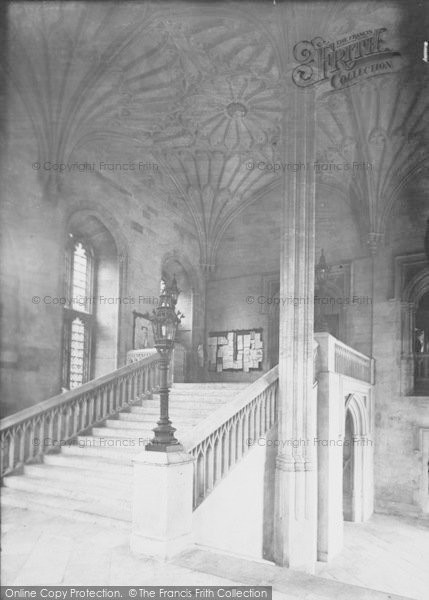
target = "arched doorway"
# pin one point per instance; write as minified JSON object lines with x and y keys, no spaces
{"x":358,"y":486}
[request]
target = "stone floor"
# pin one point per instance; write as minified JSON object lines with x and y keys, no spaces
{"x":386,"y":553}
{"x":38,"y":549}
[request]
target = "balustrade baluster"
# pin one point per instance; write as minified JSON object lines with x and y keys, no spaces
{"x":272,"y":405}
{"x":112,"y":395}
{"x":51,"y":427}
{"x":21,"y":456}
{"x":125,"y":392}
{"x":200,"y":476}
{"x":239,"y":440}
{"x":234,"y":449}
{"x":244,"y":444}
{"x":11,"y":452}
{"x":126,"y":396}
{"x":252,"y":431}
{"x":143,"y":381}
{"x":136,"y":393}
{"x":59,"y":424}
{"x":33,"y":447}
{"x":208,"y":471}
{"x":102,"y":403}
{"x":38,"y":449}
{"x":196,"y":482}
{"x":75,"y":418}
{"x":138,"y":385}
{"x":225,"y":452}
{"x":134,"y":387}
{"x":120,"y":394}
{"x":260,"y":418}
{"x":264,"y":411}
{"x":218,"y":460}
{"x":68,"y":422}
{"x":147,"y":380}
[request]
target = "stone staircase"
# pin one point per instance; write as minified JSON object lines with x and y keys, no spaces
{"x":90,"y":478}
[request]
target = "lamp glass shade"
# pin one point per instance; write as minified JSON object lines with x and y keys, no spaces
{"x":174,"y":291}
{"x":321,"y":270}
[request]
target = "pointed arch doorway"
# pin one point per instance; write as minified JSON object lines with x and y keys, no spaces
{"x":357,"y":460}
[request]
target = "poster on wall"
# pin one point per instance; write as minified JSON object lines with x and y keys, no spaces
{"x":239,"y":350}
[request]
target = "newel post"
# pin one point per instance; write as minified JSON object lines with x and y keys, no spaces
{"x":162,"y":503}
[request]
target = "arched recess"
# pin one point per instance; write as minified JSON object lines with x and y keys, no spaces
{"x":110,"y":259}
{"x":357,"y":459}
{"x":189,"y":333}
{"x":411,"y":296}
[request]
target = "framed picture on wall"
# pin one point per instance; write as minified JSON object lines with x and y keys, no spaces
{"x":142,"y":332}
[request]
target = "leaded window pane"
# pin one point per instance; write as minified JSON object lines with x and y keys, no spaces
{"x":78,"y":315}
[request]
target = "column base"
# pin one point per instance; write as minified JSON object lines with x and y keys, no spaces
{"x":159,"y":548}
{"x":295,"y":539}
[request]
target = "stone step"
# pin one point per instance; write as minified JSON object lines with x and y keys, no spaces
{"x":186,"y":403}
{"x":210,"y":385}
{"x":117,"y":497}
{"x":67,"y":508}
{"x":114,"y":454}
{"x":81,"y":474}
{"x":150,"y":421}
{"x":102,"y":465}
{"x":207,"y":395}
{"x":114,"y":444}
{"x":121,"y":433}
{"x":131,"y":425}
{"x":126,"y":437}
{"x":181,"y":412}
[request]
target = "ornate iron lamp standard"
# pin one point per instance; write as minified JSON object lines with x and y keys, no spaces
{"x":165,"y":321}
{"x":321,"y":274}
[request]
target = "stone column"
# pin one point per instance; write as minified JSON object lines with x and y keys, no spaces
{"x":296,"y":483}
{"x":330,"y":428}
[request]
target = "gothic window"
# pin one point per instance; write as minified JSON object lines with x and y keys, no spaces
{"x":78,"y":313}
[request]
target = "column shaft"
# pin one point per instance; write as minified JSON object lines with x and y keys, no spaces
{"x":296,"y":485}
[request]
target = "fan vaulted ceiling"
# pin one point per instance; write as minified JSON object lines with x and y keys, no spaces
{"x":202,"y":90}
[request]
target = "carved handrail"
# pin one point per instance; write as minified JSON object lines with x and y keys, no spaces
{"x":135,"y":355}
{"x":352,"y":363}
{"x":337,"y":357}
{"x":26,"y":435}
{"x":222,"y":439}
